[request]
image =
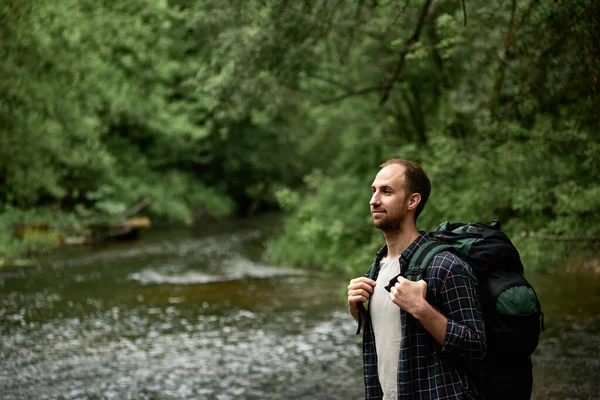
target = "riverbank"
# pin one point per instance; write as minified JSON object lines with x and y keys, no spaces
{"x":51,"y":227}
{"x":25,"y":248}
{"x":28,"y":235}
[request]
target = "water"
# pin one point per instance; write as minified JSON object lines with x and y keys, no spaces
{"x":195,"y":314}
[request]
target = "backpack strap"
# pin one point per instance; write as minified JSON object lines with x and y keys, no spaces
{"x":422,"y":258}
{"x":371,"y":274}
{"x":419,"y":262}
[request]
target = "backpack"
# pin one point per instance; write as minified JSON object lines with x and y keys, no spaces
{"x":511,"y":310}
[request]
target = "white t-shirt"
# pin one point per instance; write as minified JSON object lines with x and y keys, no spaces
{"x":385,"y":317}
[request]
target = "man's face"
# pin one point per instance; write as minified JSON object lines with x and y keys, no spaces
{"x":389,"y":203}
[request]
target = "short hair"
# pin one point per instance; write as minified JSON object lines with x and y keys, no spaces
{"x":417,"y":180}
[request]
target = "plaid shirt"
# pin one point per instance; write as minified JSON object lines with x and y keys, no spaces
{"x":427,"y":370}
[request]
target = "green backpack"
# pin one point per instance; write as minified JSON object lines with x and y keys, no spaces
{"x":511,"y":310}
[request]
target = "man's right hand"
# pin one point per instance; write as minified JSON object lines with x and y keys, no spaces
{"x":359,"y":291}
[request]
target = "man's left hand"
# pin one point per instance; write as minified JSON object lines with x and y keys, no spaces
{"x":408,"y":295}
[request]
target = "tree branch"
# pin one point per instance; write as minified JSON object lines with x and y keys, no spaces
{"x":499,"y":81}
{"x":330,"y":81}
{"x":435,"y":54}
{"x":405,"y":50}
{"x":353,"y":93}
{"x":398,"y":15}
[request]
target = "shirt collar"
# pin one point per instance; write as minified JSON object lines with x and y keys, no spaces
{"x":409,"y":251}
{"x":412,"y":248}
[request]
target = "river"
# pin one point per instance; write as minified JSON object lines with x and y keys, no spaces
{"x":193,"y":313}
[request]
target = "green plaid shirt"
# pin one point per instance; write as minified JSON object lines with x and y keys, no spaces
{"x":427,"y":370}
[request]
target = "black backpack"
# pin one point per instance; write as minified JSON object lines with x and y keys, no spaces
{"x":511,"y":310}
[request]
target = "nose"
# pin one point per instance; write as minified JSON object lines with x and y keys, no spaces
{"x":375,"y":200}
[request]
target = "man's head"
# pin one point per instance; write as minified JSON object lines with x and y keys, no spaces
{"x":400,"y":190}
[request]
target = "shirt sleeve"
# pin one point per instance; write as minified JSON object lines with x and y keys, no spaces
{"x":458,"y":299}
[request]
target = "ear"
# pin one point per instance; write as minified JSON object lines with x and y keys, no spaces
{"x":413,"y":201}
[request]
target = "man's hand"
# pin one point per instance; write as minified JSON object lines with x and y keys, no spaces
{"x":359,"y":291}
{"x":408,"y":295}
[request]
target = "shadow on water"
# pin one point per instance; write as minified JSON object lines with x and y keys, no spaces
{"x":194,"y":313}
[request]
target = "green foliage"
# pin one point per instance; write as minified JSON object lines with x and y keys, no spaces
{"x":325,"y":226}
{"x":105,"y":104}
{"x":513,"y":138}
{"x":55,"y":223}
{"x":217,"y":107}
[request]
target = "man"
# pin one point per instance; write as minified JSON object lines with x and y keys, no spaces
{"x":420,"y":338}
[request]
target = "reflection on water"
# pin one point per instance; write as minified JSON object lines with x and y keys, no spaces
{"x":193,"y":315}
{"x":567,"y":361}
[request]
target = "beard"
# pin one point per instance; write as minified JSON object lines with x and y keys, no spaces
{"x":388,"y":224}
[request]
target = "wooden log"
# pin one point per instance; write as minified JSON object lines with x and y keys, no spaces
{"x":127,"y":230}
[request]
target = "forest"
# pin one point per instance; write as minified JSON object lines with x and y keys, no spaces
{"x":218,"y":108}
